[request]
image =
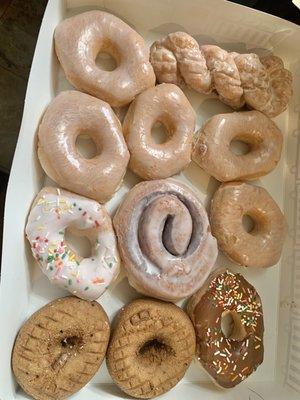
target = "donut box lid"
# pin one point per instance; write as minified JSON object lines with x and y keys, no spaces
{"x":24,"y":288}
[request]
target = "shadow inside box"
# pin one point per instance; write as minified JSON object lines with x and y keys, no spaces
{"x":109,"y":388}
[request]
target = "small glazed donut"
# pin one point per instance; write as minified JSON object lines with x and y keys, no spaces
{"x":151,"y":348}
{"x":52,"y":212}
{"x":69,"y":115}
{"x":228,"y":319}
{"x":168,"y":105}
{"x":251,"y":127}
{"x":263,"y":84}
{"x":60,"y":348}
{"x":165,"y":239}
{"x":79,"y":39}
{"x":262,"y":246}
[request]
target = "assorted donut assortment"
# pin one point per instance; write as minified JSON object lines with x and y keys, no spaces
{"x":161,"y":232}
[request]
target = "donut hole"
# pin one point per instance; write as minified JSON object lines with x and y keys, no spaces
{"x":232,"y":326}
{"x":239,"y":147}
{"x":106,"y":61}
{"x":249,"y":224}
{"x":78,"y":242}
{"x":159,"y":133}
{"x":155,"y":352}
{"x":86,"y":146}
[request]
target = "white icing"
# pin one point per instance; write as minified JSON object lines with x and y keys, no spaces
{"x":49,"y":217}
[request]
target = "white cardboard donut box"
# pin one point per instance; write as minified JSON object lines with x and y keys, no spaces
{"x":24,"y":288}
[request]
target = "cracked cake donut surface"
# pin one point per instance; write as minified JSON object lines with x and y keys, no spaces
{"x":151,"y":347}
{"x":60,"y":348}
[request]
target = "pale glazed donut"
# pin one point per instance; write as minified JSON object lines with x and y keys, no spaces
{"x":263,"y":245}
{"x":230,"y":356}
{"x":151,"y":347}
{"x":52,"y":212}
{"x":251,"y":127}
{"x":79,"y":39}
{"x":165,"y":239}
{"x":264,"y":85}
{"x":168,"y":105}
{"x":69,"y":115}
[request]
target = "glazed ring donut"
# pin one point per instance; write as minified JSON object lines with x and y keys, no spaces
{"x":52,"y":212}
{"x":60,"y":348}
{"x":151,"y":348}
{"x":79,"y":39}
{"x":251,"y":127}
{"x":69,"y":115}
{"x":263,"y":245}
{"x":228,"y":319}
{"x":165,"y":239}
{"x":168,"y":105}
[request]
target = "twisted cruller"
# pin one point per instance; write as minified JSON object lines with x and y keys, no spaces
{"x":261,"y":83}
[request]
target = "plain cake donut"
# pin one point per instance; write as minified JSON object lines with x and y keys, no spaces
{"x":69,"y":115}
{"x":165,"y":239}
{"x":151,"y":347}
{"x":165,"y":104}
{"x":79,"y":39}
{"x":60,"y":348}
{"x":251,"y":127}
{"x":228,"y":319}
{"x":262,"y":246}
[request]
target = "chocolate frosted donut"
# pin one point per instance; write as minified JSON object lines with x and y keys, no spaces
{"x":151,"y":348}
{"x":60,"y":348}
{"x":228,"y":319}
{"x":165,"y":240}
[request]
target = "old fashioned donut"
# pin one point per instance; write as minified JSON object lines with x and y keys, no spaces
{"x":251,"y":127}
{"x":79,"y":39}
{"x":52,"y":212}
{"x":165,"y":239}
{"x":228,"y":319}
{"x":151,"y":348}
{"x":263,"y":84}
{"x":165,"y":104}
{"x":60,"y":348}
{"x":69,"y":115}
{"x":262,"y":246}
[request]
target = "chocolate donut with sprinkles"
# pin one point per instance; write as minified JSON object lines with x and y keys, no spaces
{"x":228,"y":320}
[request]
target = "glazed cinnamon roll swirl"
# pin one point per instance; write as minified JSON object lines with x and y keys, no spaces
{"x":165,"y":239}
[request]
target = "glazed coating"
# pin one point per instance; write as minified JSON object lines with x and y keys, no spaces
{"x":165,"y":104}
{"x":264,"y":85}
{"x":69,"y":115}
{"x":52,"y":212}
{"x":79,"y":39}
{"x":263,"y":245}
{"x":151,"y":348}
{"x":251,"y":127}
{"x":164,"y":239}
{"x":232,"y":357}
{"x":60,"y":348}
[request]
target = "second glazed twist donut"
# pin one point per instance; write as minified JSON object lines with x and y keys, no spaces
{"x":263,"y":84}
{"x":165,"y":239}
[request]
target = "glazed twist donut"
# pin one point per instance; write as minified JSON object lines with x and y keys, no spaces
{"x":263,"y":84}
{"x":165,"y":239}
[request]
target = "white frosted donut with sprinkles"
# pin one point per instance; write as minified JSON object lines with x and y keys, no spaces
{"x":52,"y":212}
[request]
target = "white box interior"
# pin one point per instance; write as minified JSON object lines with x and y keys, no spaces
{"x":24,"y":288}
